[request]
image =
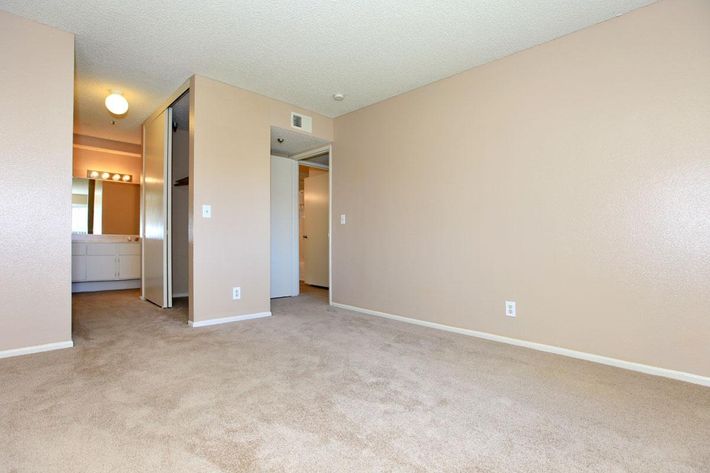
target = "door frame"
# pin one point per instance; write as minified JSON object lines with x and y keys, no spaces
{"x":299,"y":162}
{"x":168,"y":173}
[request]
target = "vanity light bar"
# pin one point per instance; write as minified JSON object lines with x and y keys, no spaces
{"x":108,"y":176}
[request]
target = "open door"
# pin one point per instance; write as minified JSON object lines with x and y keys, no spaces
{"x":284,"y":227}
{"x":315,"y":234}
{"x":156,"y":225}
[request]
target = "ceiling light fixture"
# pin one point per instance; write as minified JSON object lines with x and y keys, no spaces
{"x":338,"y":97}
{"x":116,"y":103}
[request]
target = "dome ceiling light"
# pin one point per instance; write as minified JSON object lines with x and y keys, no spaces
{"x":116,"y":103}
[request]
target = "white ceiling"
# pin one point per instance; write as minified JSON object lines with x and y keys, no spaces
{"x":294,"y":142}
{"x":300,"y":51}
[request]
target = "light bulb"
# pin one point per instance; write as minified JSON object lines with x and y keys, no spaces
{"x":116,"y":177}
{"x":94,"y":174}
{"x":105,"y":175}
{"x":116,"y":103}
{"x":126,"y":178}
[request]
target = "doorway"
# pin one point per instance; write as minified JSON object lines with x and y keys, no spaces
{"x":300,"y":213}
{"x":313,"y":196}
{"x":179,"y":200}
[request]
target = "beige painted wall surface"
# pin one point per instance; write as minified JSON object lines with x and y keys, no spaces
{"x":95,"y":159}
{"x":573,"y":177}
{"x":37,"y":76}
{"x":280,"y":116}
{"x":229,"y":170}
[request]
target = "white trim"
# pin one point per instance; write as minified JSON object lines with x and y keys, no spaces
{"x":225,"y":320}
{"x":36,"y":349}
{"x":168,"y":200}
{"x":330,"y":224}
{"x":604,"y":360}
{"x":310,"y":153}
{"x":179,"y":294}
{"x":142,"y":211}
{"x":295,"y":231}
{"x":306,"y":164}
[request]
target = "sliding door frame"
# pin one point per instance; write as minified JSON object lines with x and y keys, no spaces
{"x":166,"y":106}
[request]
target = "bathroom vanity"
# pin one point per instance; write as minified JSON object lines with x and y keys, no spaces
{"x":105,"y":262}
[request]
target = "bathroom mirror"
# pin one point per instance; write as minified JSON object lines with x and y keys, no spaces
{"x":105,"y":207}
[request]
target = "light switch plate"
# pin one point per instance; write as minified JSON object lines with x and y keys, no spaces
{"x":510,"y":308}
{"x":206,"y":211}
{"x":342,"y":219}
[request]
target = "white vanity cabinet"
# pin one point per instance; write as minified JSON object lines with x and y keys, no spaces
{"x":104,"y":261}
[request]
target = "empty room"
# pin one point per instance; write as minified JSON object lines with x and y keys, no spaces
{"x":355,"y":236}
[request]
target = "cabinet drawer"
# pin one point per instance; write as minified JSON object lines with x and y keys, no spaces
{"x":101,"y":249}
{"x":128,"y":248}
{"x":78,"y":249}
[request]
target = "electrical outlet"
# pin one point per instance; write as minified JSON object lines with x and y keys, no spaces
{"x":236,"y":293}
{"x":206,"y":211}
{"x":510,"y":308}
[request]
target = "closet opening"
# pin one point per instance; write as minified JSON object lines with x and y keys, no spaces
{"x":179,"y":200}
{"x":166,"y":196}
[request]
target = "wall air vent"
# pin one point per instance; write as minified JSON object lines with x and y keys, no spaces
{"x":301,"y":122}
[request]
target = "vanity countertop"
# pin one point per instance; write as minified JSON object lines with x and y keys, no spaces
{"x":81,"y":238}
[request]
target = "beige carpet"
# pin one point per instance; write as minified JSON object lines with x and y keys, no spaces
{"x":316,"y":389}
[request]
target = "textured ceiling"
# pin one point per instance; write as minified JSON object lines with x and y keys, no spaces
{"x":294,"y":142}
{"x":300,"y":51}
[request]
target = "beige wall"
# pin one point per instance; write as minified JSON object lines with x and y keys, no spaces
{"x":107,"y":155}
{"x":572,"y":177}
{"x":229,"y":169}
{"x":37,"y":77}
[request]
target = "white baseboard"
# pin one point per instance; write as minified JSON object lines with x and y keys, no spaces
{"x":36,"y":349}
{"x":628,"y":365}
{"x":226,"y":320}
